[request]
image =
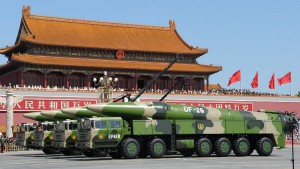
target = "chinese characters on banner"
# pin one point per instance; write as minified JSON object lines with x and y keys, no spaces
{"x":40,"y":104}
{"x":43,"y":103}
{"x":231,"y":105}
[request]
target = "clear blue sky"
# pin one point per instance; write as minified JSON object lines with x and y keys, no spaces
{"x":251,"y":35}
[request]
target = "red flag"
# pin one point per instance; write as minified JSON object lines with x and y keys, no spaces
{"x":285,"y":79}
{"x":272,"y":82}
{"x":254,"y":82}
{"x":235,"y":77}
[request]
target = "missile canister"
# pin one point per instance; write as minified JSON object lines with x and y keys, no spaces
{"x":57,"y":115}
{"x":161,"y":110}
{"x":38,"y":116}
{"x":80,"y":112}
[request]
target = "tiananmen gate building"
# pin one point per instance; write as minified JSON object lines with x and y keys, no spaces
{"x":52,"y":51}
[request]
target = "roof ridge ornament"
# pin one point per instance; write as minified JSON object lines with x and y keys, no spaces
{"x":26,"y":11}
{"x":172,"y":24}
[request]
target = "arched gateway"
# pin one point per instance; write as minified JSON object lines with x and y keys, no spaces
{"x":51,"y":51}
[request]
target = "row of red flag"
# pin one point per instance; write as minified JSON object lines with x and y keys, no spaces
{"x":287,"y":78}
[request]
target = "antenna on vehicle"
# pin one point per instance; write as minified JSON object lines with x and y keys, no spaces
{"x":182,"y":82}
{"x":178,"y":57}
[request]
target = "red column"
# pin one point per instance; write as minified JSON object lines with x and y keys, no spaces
{"x":45,"y":79}
{"x":173,"y":81}
{"x":190,"y":84}
{"x":22,"y":77}
{"x":136,"y":83}
{"x":207,"y":83}
{"x":88,"y":81}
{"x":67,"y":81}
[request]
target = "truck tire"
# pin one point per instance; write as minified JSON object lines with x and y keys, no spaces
{"x":241,"y":147}
{"x":46,"y":151}
{"x":203,"y":147}
{"x":88,"y":153}
{"x":264,"y":146}
{"x":222,"y":147}
{"x":55,"y":151}
{"x":75,"y":152}
{"x":156,"y":148}
{"x":130,"y":148}
{"x":99,"y":153}
{"x":66,"y":152}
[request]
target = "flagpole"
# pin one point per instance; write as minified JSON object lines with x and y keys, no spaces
{"x":241,"y":87}
{"x":291,"y":89}
{"x":241,"y":84}
{"x":291,"y":85}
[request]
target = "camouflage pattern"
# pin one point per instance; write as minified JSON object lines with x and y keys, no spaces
{"x":37,"y":116}
{"x":43,"y":135}
{"x":201,"y":120}
{"x":80,"y":112}
{"x":101,"y":132}
{"x":24,"y":134}
{"x":65,"y":137}
{"x":57,"y":115}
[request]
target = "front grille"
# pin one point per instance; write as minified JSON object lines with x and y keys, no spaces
{"x":83,"y":136}
{"x":58,"y":137}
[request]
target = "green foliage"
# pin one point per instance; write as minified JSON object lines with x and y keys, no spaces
{"x":298,"y":94}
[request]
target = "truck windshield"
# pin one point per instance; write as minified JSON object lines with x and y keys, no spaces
{"x":60,"y":126}
{"x":100,"y":124}
{"x":72,"y":126}
{"x":27,"y":128}
{"x":46,"y":127}
{"x":86,"y":124}
{"x":38,"y":127}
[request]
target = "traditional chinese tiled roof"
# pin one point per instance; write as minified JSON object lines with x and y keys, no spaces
{"x":214,"y":86}
{"x":8,"y":48}
{"x":103,"y":35}
{"x":111,"y":63}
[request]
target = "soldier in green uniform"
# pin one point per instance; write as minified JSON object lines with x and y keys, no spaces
{"x":1,"y":143}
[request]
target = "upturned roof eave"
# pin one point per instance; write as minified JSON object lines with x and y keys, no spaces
{"x":44,"y":60}
{"x":195,"y":52}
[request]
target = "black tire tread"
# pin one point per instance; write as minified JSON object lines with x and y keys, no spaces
{"x":218,"y":151}
{"x":198,"y":147}
{"x":151,"y":152}
{"x":123,"y":148}
{"x":259,"y":146}
{"x":236,"y":149}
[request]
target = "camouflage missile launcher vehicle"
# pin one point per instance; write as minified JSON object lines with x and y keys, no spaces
{"x":24,"y":135}
{"x":152,"y":128}
{"x":25,"y":131}
{"x":66,"y":145}
{"x":65,"y":136}
{"x":93,"y":133}
{"x":43,"y":137}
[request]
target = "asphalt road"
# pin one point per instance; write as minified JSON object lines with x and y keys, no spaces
{"x":280,"y":159}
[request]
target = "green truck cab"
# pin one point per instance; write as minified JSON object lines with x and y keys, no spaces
{"x":43,"y":137}
{"x":64,"y":137}
{"x":24,"y":135}
{"x":98,"y":136}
